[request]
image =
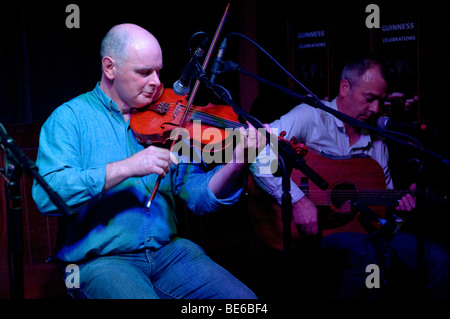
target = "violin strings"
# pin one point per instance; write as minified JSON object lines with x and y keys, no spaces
{"x":214,"y":120}
{"x":206,"y":118}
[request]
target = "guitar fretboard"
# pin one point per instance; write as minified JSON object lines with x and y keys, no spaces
{"x":369,"y":197}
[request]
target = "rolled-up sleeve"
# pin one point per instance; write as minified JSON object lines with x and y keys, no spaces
{"x":296,"y":123}
{"x":262,"y":171}
{"x":192,"y":187}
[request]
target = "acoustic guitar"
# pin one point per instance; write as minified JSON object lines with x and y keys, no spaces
{"x":350,"y":180}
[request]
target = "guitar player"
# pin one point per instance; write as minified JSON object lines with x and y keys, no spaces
{"x":363,"y":86}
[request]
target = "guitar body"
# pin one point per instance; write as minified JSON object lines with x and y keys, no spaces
{"x":346,"y":178}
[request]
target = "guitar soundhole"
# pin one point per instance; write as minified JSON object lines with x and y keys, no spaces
{"x":339,"y":212}
{"x":341,"y":196}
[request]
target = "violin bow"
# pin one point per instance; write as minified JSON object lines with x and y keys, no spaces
{"x":191,"y":100}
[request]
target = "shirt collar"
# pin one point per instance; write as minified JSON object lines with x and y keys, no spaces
{"x":106,"y":101}
{"x":338,"y":122}
{"x":364,"y":140}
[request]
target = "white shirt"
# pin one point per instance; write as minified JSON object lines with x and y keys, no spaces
{"x":322,"y":132}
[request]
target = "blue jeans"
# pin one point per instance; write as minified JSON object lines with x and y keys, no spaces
{"x":180,"y":269}
{"x":397,"y":260}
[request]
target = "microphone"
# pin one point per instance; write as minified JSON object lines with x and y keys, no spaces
{"x":385,"y":122}
{"x":182,"y":86}
{"x":215,"y":68}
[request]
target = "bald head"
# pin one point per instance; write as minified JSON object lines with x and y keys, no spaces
{"x":124,"y":38}
{"x":131,"y":63}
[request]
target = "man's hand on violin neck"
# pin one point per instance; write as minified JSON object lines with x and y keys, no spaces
{"x":250,"y":145}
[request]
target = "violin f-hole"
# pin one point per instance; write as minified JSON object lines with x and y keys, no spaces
{"x":168,"y":123}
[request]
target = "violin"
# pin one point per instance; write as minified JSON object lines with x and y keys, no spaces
{"x":157,"y":122}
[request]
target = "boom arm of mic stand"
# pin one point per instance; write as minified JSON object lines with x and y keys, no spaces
{"x":232,"y":66}
{"x":288,"y":158}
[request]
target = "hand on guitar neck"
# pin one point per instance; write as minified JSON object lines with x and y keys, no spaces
{"x":408,"y":202}
{"x":305,"y":214}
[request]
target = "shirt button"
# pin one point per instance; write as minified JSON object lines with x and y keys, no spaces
{"x":149,"y":238}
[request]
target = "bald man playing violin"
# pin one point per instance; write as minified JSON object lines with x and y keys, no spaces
{"x":90,"y":157}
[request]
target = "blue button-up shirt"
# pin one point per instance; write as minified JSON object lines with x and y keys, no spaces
{"x":76,"y":142}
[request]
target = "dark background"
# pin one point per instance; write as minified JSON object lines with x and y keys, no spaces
{"x":44,"y":64}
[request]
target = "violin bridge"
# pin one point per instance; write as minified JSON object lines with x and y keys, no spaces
{"x":177,"y":110}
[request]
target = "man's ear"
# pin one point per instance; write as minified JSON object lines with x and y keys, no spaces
{"x":344,"y":88}
{"x":109,"y":66}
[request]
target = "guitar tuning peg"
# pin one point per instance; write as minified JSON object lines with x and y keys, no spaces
{"x":301,"y":149}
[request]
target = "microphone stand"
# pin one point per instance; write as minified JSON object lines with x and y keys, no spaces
{"x":16,"y":162}
{"x":287,"y":160}
{"x":408,"y":143}
{"x":232,"y":66}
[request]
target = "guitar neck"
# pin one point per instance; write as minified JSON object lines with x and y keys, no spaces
{"x":375,"y":197}
{"x":369,"y":197}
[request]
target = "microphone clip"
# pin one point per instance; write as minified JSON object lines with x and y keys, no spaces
{"x":193,"y":70}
